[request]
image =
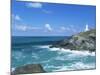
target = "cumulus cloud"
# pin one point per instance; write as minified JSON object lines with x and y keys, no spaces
{"x":38,"y":5}
{"x":68,"y":29}
{"x":21,"y":27}
{"x":71,"y":29}
{"x":26,"y":27}
{"x":63,"y":28}
{"x":48,"y":27}
{"x":16,"y":17}
{"x":34,"y":28}
{"x":35,"y":5}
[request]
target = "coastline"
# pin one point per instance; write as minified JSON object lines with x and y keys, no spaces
{"x":85,"y":41}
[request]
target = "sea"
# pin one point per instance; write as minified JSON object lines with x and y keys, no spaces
{"x":36,"y":50}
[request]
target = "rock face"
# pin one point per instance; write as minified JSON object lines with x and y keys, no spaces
{"x":28,"y":69}
{"x":82,"y":41}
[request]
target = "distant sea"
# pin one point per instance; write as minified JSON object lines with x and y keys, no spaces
{"x":35,"y":50}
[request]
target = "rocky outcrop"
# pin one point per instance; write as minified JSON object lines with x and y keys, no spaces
{"x":81,"y":41}
{"x":28,"y":69}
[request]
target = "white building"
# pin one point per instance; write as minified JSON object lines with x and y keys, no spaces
{"x":86,"y":27}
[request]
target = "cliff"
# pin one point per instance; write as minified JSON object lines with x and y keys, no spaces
{"x":81,"y":41}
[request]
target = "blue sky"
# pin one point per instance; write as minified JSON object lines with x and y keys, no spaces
{"x":50,"y":19}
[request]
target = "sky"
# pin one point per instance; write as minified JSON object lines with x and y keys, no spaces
{"x":50,"y":19}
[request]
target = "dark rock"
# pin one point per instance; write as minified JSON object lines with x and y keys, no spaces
{"x":28,"y":69}
{"x":80,"y":41}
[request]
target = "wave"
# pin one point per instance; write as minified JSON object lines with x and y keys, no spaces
{"x":73,"y":52}
{"x":44,"y":46}
{"x":35,"y":56}
{"x":81,"y":65}
{"x":75,"y":66}
{"x":63,"y":51}
{"x":64,"y":55}
{"x":72,"y":57}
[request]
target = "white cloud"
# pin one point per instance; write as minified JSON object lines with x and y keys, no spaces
{"x":26,"y":27}
{"x":72,"y":26}
{"x":21,"y":27}
{"x":46,"y":11}
{"x":35,"y":5}
{"x":38,"y":5}
{"x":33,"y":28}
{"x":63,"y":28}
{"x":16,"y":17}
{"x":68,"y":29}
{"x":48,"y":27}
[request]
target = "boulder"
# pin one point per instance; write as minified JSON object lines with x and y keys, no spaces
{"x":28,"y":69}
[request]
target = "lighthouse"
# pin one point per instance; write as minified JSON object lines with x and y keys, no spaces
{"x":86,"y":27}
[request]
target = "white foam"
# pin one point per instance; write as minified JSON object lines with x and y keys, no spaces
{"x":80,"y":65}
{"x":51,"y":66}
{"x":82,"y":52}
{"x":44,"y":46}
{"x":46,"y":61}
{"x":62,"y":50}
{"x":54,"y":49}
{"x":18,"y":55}
{"x":57,"y":68}
{"x":60,"y":58}
{"x":35,"y":56}
{"x":63,"y":68}
{"x":12,"y":69}
{"x":76,"y":66}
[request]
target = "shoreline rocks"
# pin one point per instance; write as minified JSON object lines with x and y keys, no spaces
{"x":81,"y":41}
{"x":28,"y":69}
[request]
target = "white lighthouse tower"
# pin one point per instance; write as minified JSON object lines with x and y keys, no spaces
{"x":86,"y":27}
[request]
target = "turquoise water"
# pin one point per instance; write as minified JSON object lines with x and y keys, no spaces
{"x":35,"y":50}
